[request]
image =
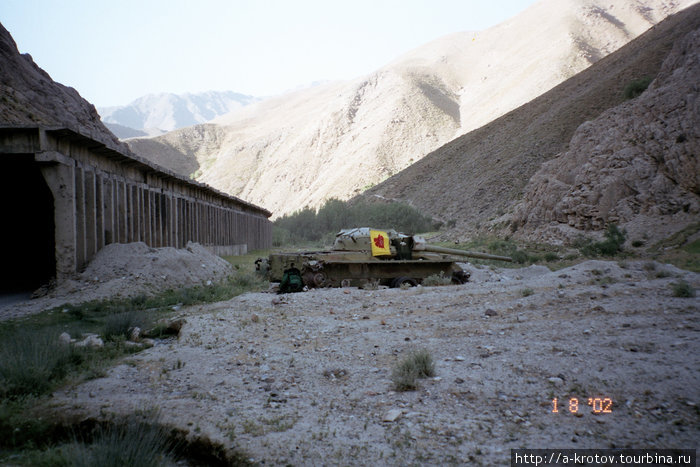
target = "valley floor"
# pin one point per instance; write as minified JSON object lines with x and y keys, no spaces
{"x":305,"y":378}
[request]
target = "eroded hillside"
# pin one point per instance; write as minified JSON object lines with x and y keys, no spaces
{"x":476,"y":179}
{"x":339,"y":139}
{"x":636,"y":165}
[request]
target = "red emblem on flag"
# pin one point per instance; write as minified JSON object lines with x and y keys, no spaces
{"x":379,"y":241}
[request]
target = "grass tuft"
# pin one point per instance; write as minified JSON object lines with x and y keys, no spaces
{"x":437,"y":280}
{"x":32,"y":362}
{"x":117,"y":326}
{"x":682,"y":289}
{"x":132,"y":441}
{"x":418,"y":364}
{"x":637,"y":87}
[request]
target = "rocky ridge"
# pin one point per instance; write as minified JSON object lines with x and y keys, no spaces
{"x":636,"y":165}
{"x":477,"y":179}
{"x":30,"y":97}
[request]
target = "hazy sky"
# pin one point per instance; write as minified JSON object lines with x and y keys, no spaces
{"x":114,"y":51}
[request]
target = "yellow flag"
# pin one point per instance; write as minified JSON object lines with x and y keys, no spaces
{"x":380,"y":243}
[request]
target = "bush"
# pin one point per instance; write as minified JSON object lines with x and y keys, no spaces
{"x":32,"y":362}
{"x":133,"y":441}
{"x":118,"y":325}
{"x":419,"y":364}
{"x":550,"y":256}
{"x":526,"y":292}
{"x":682,"y":289}
{"x":637,"y":87}
{"x":437,"y":279}
{"x":612,"y":245}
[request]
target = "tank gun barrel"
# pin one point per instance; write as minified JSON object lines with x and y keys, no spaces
{"x":452,"y":251}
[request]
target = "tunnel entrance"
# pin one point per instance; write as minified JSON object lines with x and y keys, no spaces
{"x":27,"y":236}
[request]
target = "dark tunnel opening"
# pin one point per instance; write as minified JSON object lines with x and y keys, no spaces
{"x":27,"y":235}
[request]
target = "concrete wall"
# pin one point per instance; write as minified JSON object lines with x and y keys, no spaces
{"x":104,"y":196}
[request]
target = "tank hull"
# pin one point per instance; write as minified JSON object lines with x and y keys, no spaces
{"x":348,"y":269}
{"x":365,"y":255}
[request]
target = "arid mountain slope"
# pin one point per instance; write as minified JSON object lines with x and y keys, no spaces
{"x":476,"y":178}
{"x":636,"y":165}
{"x":338,"y":139}
{"x":28,"y":96}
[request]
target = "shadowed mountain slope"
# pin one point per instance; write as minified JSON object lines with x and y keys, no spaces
{"x":475,"y":179}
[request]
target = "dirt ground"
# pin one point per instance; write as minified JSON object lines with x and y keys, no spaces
{"x":122,"y":270}
{"x":305,"y":378}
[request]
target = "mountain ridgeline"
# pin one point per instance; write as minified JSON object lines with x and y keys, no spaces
{"x":156,"y":114}
{"x":338,"y":139}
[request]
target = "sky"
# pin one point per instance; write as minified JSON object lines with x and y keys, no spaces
{"x":114,"y":52}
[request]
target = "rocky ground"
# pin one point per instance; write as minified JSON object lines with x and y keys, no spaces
{"x":306,"y":379}
{"x":123,"y":270}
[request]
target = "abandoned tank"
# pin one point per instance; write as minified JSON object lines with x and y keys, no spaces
{"x":364,"y":255}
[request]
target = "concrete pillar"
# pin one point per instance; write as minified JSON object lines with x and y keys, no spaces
{"x":121,"y":211}
{"x":129,"y":212}
{"x":90,"y":215}
{"x":171,"y":223}
{"x":168,"y":220}
{"x":177,"y":233}
{"x":157,"y":220}
{"x":136,"y":212}
{"x":124,"y":195}
{"x":142,"y":213}
{"x":100,"y":206}
{"x":80,"y":250}
{"x":181,"y":229}
{"x":161,"y":220}
{"x":109,"y":226}
{"x":148,"y":212}
{"x":60,"y":178}
{"x":197,"y":221}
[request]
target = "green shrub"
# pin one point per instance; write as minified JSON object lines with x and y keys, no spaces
{"x":424,"y":363}
{"x":418,"y":364}
{"x":32,"y":362}
{"x":133,"y":441}
{"x":551,"y":256}
{"x":405,"y":377}
{"x":612,"y":245}
{"x":118,"y":325}
{"x":637,"y":87}
{"x":682,"y":289}
{"x":436,"y":280}
{"x":526,"y":292}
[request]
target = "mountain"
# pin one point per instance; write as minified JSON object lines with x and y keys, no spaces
{"x":31,"y":97}
{"x":156,"y":114}
{"x":632,"y":161}
{"x":338,"y":139}
{"x":635,"y":165}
